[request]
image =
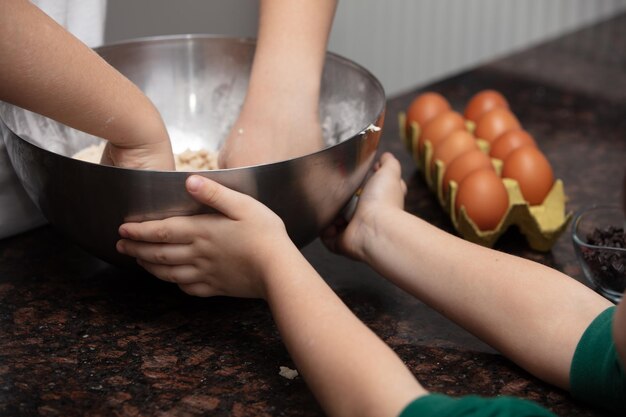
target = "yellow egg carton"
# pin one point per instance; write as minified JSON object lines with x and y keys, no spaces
{"x":540,"y":224}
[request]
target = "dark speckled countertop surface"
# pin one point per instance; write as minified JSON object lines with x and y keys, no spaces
{"x":79,"y":337}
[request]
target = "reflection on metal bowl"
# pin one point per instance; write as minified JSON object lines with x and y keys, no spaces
{"x":198,"y":83}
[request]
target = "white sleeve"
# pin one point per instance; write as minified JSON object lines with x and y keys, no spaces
{"x":85,"y":19}
{"x":17,"y":212}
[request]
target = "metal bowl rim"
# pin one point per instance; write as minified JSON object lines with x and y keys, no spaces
{"x":176,"y":37}
{"x":249,"y":40}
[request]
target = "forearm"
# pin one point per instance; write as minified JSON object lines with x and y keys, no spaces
{"x":291,"y":48}
{"x":49,"y":71}
{"x":348,"y":368}
{"x":531,"y":313}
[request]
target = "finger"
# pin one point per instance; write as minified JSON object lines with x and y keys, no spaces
{"x":106,"y":159}
{"x":223,"y":199}
{"x":199,"y":289}
{"x":178,"y":274}
{"x":405,"y":189}
{"x":387,"y":159}
{"x":390,"y":165}
{"x":330,"y":232}
{"x":172,"y":230}
{"x":336,"y":227}
{"x":386,"y":156}
{"x":157,"y":253}
{"x":153,"y":155}
{"x":329,"y":242}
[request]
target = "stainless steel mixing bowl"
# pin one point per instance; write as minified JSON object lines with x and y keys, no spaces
{"x":198,"y":83}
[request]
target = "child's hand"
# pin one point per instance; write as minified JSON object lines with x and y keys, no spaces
{"x":145,"y":147}
{"x":272,"y":127}
{"x":382,"y":195}
{"x":157,"y":156}
{"x":224,"y":253}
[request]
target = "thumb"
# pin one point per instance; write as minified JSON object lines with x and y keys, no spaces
{"x":391,"y":164}
{"x":209,"y":192}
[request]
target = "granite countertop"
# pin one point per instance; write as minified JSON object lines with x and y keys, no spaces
{"x":80,"y":337}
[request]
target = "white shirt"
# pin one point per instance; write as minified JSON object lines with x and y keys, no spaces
{"x":85,"y":19}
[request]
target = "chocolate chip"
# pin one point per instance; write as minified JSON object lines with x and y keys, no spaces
{"x":608,"y":267}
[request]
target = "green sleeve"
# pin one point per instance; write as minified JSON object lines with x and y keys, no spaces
{"x":596,"y":375}
{"x":438,"y":405}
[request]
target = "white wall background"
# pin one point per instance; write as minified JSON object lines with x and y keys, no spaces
{"x":405,"y":43}
{"x":135,"y":18}
{"x":410,"y":42}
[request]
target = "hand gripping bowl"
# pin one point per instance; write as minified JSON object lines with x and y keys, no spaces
{"x":198,"y":83}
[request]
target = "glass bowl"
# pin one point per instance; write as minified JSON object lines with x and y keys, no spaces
{"x":599,"y":241}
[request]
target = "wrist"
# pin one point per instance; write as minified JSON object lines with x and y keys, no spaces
{"x":372,"y":229}
{"x":276,"y":265}
{"x":136,"y":127}
{"x":279,"y":111}
{"x":279,"y":94}
{"x":152,"y":130}
{"x":286,"y":77}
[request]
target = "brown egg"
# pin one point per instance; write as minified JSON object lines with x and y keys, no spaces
{"x":455,"y":144}
{"x":530,"y":168}
{"x":494,"y":123}
{"x":440,"y":127}
{"x":484,"y":197}
{"x":482,"y":102}
{"x":424,"y":108}
{"x":463,"y":165}
{"x":509,"y":141}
